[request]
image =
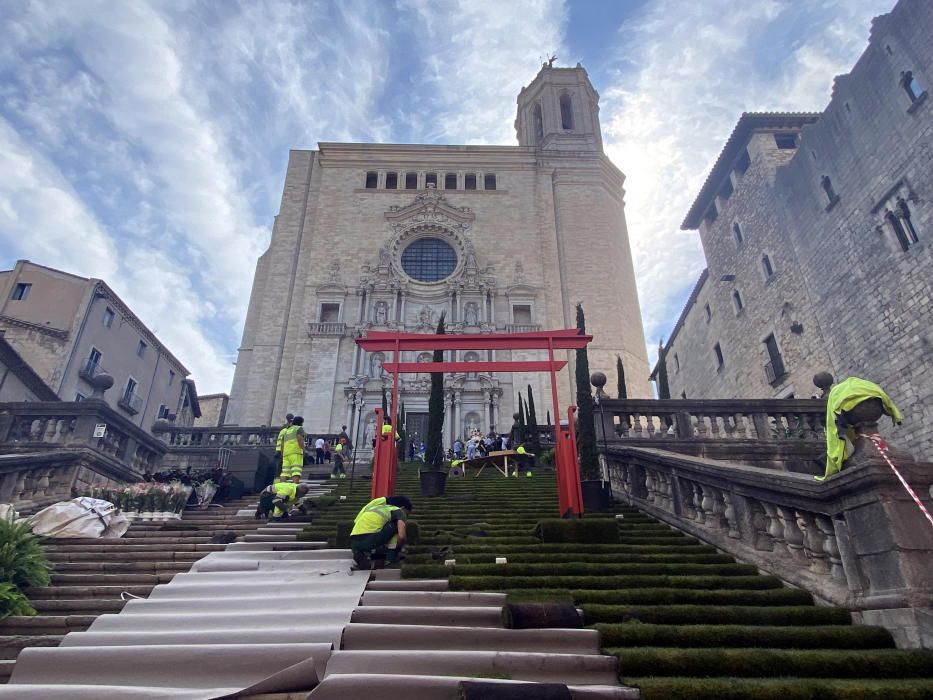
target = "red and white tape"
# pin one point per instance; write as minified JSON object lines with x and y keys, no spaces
{"x":882,"y":448}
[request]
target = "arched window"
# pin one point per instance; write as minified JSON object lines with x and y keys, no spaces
{"x":766,"y":266}
{"x":566,"y":112}
{"x":538,"y":124}
{"x":911,"y":85}
{"x":902,"y":225}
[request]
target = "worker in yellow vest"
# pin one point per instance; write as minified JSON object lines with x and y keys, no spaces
{"x":293,"y":450}
{"x":526,"y":459}
{"x":387,"y":430}
{"x":278,"y":499}
{"x":280,"y":438}
{"x":339,"y":472}
{"x":379,"y":531}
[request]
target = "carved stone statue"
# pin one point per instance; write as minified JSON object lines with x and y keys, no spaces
{"x":375,"y":365}
{"x":370,"y":432}
{"x":422,"y":358}
{"x":426,"y":316}
{"x":382,"y":312}
{"x":384,"y":257}
{"x":471,"y":314}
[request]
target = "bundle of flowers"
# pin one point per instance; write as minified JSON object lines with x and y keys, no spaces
{"x":146,"y":500}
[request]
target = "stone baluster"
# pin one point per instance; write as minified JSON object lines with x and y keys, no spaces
{"x":775,"y":528}
{"x":636,"y":425}
{"x":729,"y":515}
{"x":761,"y":539}
{"x":831,"y":547}
{"x":650,"y":484}
{"x":813,"y":542}
{"x":793,"y":537}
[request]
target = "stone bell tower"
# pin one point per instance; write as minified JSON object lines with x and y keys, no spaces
{"x":559,"y":110}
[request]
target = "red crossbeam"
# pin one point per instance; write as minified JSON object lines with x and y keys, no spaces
{"x":511,"y":366}
{"x":383,"y":341}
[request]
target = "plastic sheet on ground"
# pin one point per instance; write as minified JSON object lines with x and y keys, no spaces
{"x":80,"y":517}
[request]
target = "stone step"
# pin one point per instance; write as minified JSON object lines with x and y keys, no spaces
{"x":109,"y":549}
{"x":159,"y":554}
{"x":358,"y":636}
{"x":10,"y":645}
{"x":269,"y":538}
{"x":409,"y":585}
{"x":103,"y":579}
{"x":78,"y":606}
{"x":84,"y":591}
{"x":437,"y":616}
{"x":426,"y":687}
{"x":45,"y":624}
{"x":118,"y":567}
{"x":432,"y":598}
{"x":583,"y":669}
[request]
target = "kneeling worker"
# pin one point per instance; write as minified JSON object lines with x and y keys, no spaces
{"x":379,"y":530}
{"x":279,"y":498}
{"x":526,"y":458}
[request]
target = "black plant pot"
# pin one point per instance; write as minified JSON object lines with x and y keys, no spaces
{"x":596,"y":495}
{"x":433,"y":482}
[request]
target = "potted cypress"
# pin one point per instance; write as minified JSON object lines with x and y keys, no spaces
{"x":433,"y":477}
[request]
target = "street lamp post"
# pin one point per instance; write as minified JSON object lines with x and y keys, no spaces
{"x":356,"y":437}
{"x":598,"y":380}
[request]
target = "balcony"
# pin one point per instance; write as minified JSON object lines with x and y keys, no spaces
{"x":327,"y":328}
{"x":91,"y":370}
{"x":774,"y":370}
{"x":131,"y":403}
{"x":522,"y":327}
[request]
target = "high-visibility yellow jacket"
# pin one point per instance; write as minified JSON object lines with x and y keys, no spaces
{"x":280,"y":439}
{"x":521,"y":450}
{"x":844,"y":397}
{"x":373,"y":517}
{"x":290,"y":440}
{"x":387,"y":430}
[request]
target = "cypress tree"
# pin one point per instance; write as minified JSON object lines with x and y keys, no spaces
{"x":553,"y":427}
{"x":664,"y":391}
{"x":533,"y":424}
{"x":403,"y":441}
{"x":522,"y":425}
{"x":586,"y":431}
{"x":434,"y":456}
{"x":385,"y":405}
{"x":620,"y":378}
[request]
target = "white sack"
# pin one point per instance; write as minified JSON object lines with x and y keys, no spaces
{"x":80,"y":517}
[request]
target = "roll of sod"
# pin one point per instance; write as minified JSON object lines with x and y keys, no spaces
{"x":611,"y":583}
{"x":586,"y":530}
{"x":813,"y":637}
{"x":587,"y":569}
{"x":528,"y":616}
{"x":486,"y":690}
{"x":717,"y":614}
{"x":779,"y":689}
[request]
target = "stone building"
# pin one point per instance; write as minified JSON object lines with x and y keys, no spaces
{"x":816,"y":230}
{"x":213,"y":410}
{"x":71,"y":329}
{"x":18,"y":381}
{"x":389,"y":237}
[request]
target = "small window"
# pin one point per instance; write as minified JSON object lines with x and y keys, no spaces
{"x":708,"y":311}
{"x":391,"y":181}
{"x":676,"y":363}
{"x":130,"y":391}
{"x":787,"y":142}
{"x":163,"y":411}
{"x":737,"y":233}
{"x":774,"y":370}
{"x":489,"y":181}
{"x":911,"y":85}
{"x":94,"y":357}
{"x":737,"y":301}
{"x":521,"y":313}
{"x":450,"y":181}
{"x":726,"y":190}
{"x":108,"y":317}
{"x":141,"y":349}
{"x":827,"y":184}
{"x":372,"y":180}
{"x":902,"y":224}
{"x":717,"y":351}
{"x":743,"y":163}
{"x":79,"y":397}
{"x":411,"y":181}
{"x":469,"y":182}
{"x":566,"y":112}
{"x":683,"y":394}
{"x":171,"y":377}
{"x":330,"y":313}
{"x":430,"y":180}
{"x":766,"y":266}
{"x":711,"y":214}
{"x":21,"y":291}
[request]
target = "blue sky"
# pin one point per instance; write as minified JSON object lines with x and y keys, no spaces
{"x":145,"y":142}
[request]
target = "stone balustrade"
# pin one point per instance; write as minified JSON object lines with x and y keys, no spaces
{"x":216,"y":437}
{"x":327,"y":328}
{"x":786,"y":434}
{"x":856,"y":540}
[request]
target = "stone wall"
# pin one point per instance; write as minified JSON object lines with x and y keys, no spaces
{"x":844,"y":296}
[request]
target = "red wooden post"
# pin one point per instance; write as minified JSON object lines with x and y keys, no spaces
{"x":381,"y":465}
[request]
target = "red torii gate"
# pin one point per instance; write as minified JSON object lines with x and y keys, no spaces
{"x":565,"y":439}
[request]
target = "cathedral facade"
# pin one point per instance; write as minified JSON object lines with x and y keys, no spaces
{"x":389,"y":237}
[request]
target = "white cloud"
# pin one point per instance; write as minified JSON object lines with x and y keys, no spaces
{"x":477,"y":56}
{"x":697,"y":67}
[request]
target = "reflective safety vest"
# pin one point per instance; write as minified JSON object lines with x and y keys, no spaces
{"x":287,"y":490}
{"x":280,"y":439}
{"x":521,"y":450}
{"x":290,"y":440}
{"x":387,"y":430}
{"x":373,"y":517}
{"x":338,"y":447}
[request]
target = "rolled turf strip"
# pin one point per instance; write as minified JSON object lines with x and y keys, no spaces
{"x":528,"y":616}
